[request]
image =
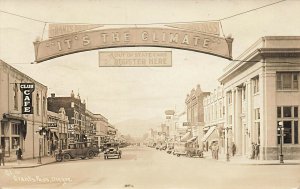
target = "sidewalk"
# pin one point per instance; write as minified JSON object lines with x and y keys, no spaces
{"x":28,"y":163}
{"x":240,"y":160}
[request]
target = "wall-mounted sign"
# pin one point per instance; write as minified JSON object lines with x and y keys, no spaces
{"x":133,"y":37}
{"x":52,"y":124}
{"x":135,"y":58}
{"x":186,"y":124}
{"x":27,"y":90}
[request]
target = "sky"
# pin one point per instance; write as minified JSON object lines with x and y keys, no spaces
{"x":136,"y":93}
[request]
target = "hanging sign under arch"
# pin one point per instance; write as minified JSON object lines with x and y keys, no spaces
{"x":133,"y":37}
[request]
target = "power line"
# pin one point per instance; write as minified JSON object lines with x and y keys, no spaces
{"x":251,"y":10}
{"x":154,"y":23}
{"x":21,"y":16}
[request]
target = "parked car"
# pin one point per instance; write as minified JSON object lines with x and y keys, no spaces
{"x":180,"y":149}
{"x":112,"y":150}
{"x":193,"y":150}
{"x":163,"y":146}
{"x":78,"y":150}
{"x":170,"y":148}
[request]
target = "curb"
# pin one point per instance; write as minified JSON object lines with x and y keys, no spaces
{"x":26,"y":166}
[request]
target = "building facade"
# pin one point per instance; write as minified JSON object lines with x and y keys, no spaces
{"x":195,"y":115}
{"x":214,"y":118}
{"x":75,"y":110}
{"x":261,"y":91}
{"x":58,"y":124}
{"x":101,"y":126}
{"x":19,"y":129}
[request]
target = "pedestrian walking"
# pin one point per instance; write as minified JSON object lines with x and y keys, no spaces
{"x":233,"y":148}
{"x":256,"y":151}
{"x":19,"y":155}
{"x":2,"y":156}
{"x":253,"y":150}
{"x":216,"y":151}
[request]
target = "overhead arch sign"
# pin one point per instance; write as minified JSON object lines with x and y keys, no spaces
{"x":133,"y":37}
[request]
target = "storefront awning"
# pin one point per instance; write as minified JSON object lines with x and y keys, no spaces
{"x":209,"y":132}
{"x":193,"y":139}
{"x":186,"y":136}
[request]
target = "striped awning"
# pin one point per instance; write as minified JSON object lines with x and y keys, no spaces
{"x":209,"y":132}
{"x":186,"y":136}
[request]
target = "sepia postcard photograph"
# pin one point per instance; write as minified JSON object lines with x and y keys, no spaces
{"x":169,"y":94}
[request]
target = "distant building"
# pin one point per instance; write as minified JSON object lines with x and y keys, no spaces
{"x":101,"y":124}
{"x":19,"y":129}
{"x":214,"y":119}
{"x":58,"y":124}
{"x":195,"y":115}
{"x":75,"y":110}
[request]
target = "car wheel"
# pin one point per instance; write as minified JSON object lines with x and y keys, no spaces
{"x":67,"y":157}
{"x":178,"y":155}
{"x":91,"y":155}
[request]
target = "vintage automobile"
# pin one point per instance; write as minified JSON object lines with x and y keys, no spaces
{"x":112,"y":150}
{"x":180,"y":149}
{"x":193,"y":150}
{"x":170,"y":148}
{"x":78,"y":150}
{"x":163,"y":146}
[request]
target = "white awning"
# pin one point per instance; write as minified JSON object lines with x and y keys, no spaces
{"x":209,"y":132}
{"x":186,"y":136}
{"x":193,"y":139}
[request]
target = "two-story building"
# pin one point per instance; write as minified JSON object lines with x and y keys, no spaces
{"x":261,"y":90}
{"x":18,"y":129}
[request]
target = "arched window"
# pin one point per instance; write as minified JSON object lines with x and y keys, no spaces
{"x":15,"y":88}
{"x":37,"y":104}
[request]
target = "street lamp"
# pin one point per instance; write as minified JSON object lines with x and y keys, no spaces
{"x":42,"y":134}
{"x":227,"y":139}
{"x":281,"y":129}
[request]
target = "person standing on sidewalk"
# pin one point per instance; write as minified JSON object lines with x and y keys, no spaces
{"x":19,"y":155}
{"x":233,"y":148}
{"x":216,"y":151}
{"x":257,"y":151}
{"x":2,"y":155}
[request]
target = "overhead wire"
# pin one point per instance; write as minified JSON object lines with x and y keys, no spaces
{"x":154,"y":23}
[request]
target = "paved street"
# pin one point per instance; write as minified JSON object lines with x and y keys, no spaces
{"x":142,"y":167}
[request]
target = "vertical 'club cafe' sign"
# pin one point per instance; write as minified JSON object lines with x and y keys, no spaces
{"x":27,"y":90}
{"x":199,"y":37}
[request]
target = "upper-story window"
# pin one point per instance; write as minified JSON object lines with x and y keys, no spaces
{"x":37,"y":104}
{"x":15,"y":96}
{"x":255,"y":81}
{"x":287,"y":80}
{"x":44,"y":106}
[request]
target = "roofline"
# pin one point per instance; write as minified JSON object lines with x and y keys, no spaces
{"x":21,"y":73}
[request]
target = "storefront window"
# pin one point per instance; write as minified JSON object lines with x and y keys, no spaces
{"x":296,"y":132}
{"x":278,"y":112}
{"x":289,"y":118}
{"x":287,"y":111}
{"x":287,"y":138}
{"x":15,"y":142}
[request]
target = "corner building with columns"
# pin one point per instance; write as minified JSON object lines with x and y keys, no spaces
{"x":261,"y":89}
